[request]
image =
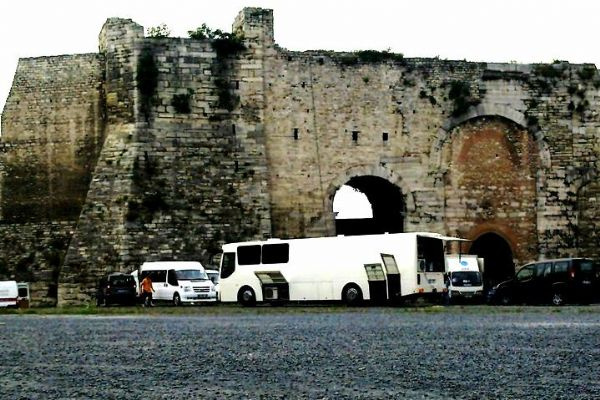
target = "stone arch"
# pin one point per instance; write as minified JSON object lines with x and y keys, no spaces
{"x":369,"y":176}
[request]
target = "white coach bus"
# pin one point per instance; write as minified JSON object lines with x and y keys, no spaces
{"x":348,"y":268}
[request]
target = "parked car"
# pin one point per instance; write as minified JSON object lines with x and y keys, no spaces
{"x":558,"y":281}
{"x":9,"y":294}
{"x":116,"y":288}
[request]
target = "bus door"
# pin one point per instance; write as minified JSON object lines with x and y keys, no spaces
{"x":274,"y":285}
{"x":393,"y":277}
{"x":377,"y":285}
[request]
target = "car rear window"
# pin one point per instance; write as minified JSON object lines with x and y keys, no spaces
{"x":122,"y":280}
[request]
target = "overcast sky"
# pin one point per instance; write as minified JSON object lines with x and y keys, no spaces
{"x":477,"y":30}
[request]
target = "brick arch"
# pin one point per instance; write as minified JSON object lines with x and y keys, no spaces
{"x":490,"y":183}
{"x":505,"y":232}
{"x":492,"y":111}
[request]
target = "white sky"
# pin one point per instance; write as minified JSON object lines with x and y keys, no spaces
{"x":349,"y":203}
{"x":525,"y":31}
{"x":477,"y":30}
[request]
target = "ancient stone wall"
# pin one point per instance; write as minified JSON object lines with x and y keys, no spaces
{"x":53,"y":130}
{"x":183,"y":168}
{"x":165,"y":148}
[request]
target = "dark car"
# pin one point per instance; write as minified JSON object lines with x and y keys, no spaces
{"x":559,"y":281}
{"x":116,"y":288}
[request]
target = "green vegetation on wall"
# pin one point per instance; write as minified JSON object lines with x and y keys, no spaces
{"x":226,"y":45}
{"x":460,"y":94}
{"x":160,"y":31}
{"x":147,"y":79}
{"x":181,"y":102}
{"x":150,"y":198}
{"x":370,"y":57}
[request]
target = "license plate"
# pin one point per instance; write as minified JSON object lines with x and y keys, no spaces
{"x":586,"y":282}
{"x":468,"y":294}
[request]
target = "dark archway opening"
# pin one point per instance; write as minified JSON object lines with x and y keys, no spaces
{"x":498,"y":258}
{"x":387,"y":205}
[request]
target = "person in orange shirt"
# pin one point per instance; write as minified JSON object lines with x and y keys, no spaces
{"x":147,"y":289}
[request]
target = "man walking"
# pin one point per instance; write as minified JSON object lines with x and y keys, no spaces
{"x":147,"y":289}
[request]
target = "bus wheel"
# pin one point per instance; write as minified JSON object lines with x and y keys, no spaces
{"x":351,"y":294}
{"x":176,"y":300}
{"x":246,"y":296}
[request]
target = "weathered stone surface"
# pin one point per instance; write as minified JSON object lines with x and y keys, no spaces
{"x":106,"y":170}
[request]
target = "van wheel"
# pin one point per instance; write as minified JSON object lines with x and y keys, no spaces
{"x":351,"y":294}
{"x":505,"y":299}
{"x":176,"y":300}
{"x":558,"y":298}
{"x":246,"y":296}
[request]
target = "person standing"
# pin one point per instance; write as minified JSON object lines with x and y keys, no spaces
{"x":147,"y":289}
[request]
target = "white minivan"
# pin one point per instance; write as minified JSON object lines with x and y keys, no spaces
{"x":178,"y":282}
{"x":9,"y":293}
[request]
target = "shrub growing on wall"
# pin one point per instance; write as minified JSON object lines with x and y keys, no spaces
{"x":160,"y":31}
{"x":147,"y":79}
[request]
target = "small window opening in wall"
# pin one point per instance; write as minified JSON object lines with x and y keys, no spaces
{"x":385,"y":136}
{"x":355,"y":136}
{"x":233,"y":129}
{"x":295,"y":133}
{"x":237,"y":84}
{"x":303,"y":84}
{"x":236,"y":166}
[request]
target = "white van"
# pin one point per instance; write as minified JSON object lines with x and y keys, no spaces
{"x":9,"y":293}
{"x":178,"y":281}
{"x":464,"y":277}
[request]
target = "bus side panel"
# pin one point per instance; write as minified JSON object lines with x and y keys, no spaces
{"x":229,"y":288}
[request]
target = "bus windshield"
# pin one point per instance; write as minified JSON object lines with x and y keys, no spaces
{"x":191,"y":275}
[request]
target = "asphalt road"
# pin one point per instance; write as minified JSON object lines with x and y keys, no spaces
{"x":370,"y":353}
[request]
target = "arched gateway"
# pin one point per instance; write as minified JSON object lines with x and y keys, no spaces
{"x":387,"y":205}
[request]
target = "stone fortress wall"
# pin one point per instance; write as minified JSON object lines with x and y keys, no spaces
{"x":97,"y":174}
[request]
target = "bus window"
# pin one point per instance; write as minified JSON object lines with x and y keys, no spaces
{"x":228,"y":264}
{"x":248,"y":255}
{"x":275,"y":253}
{"x":431,"y":250}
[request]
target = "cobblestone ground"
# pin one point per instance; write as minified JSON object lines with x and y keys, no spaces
{"x":372,"y":353}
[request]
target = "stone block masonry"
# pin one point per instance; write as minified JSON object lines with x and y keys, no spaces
{"x":166,"y":148}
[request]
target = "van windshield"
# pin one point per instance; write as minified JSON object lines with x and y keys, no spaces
{"x":466,"y":278}
{"x":191,"y":275}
